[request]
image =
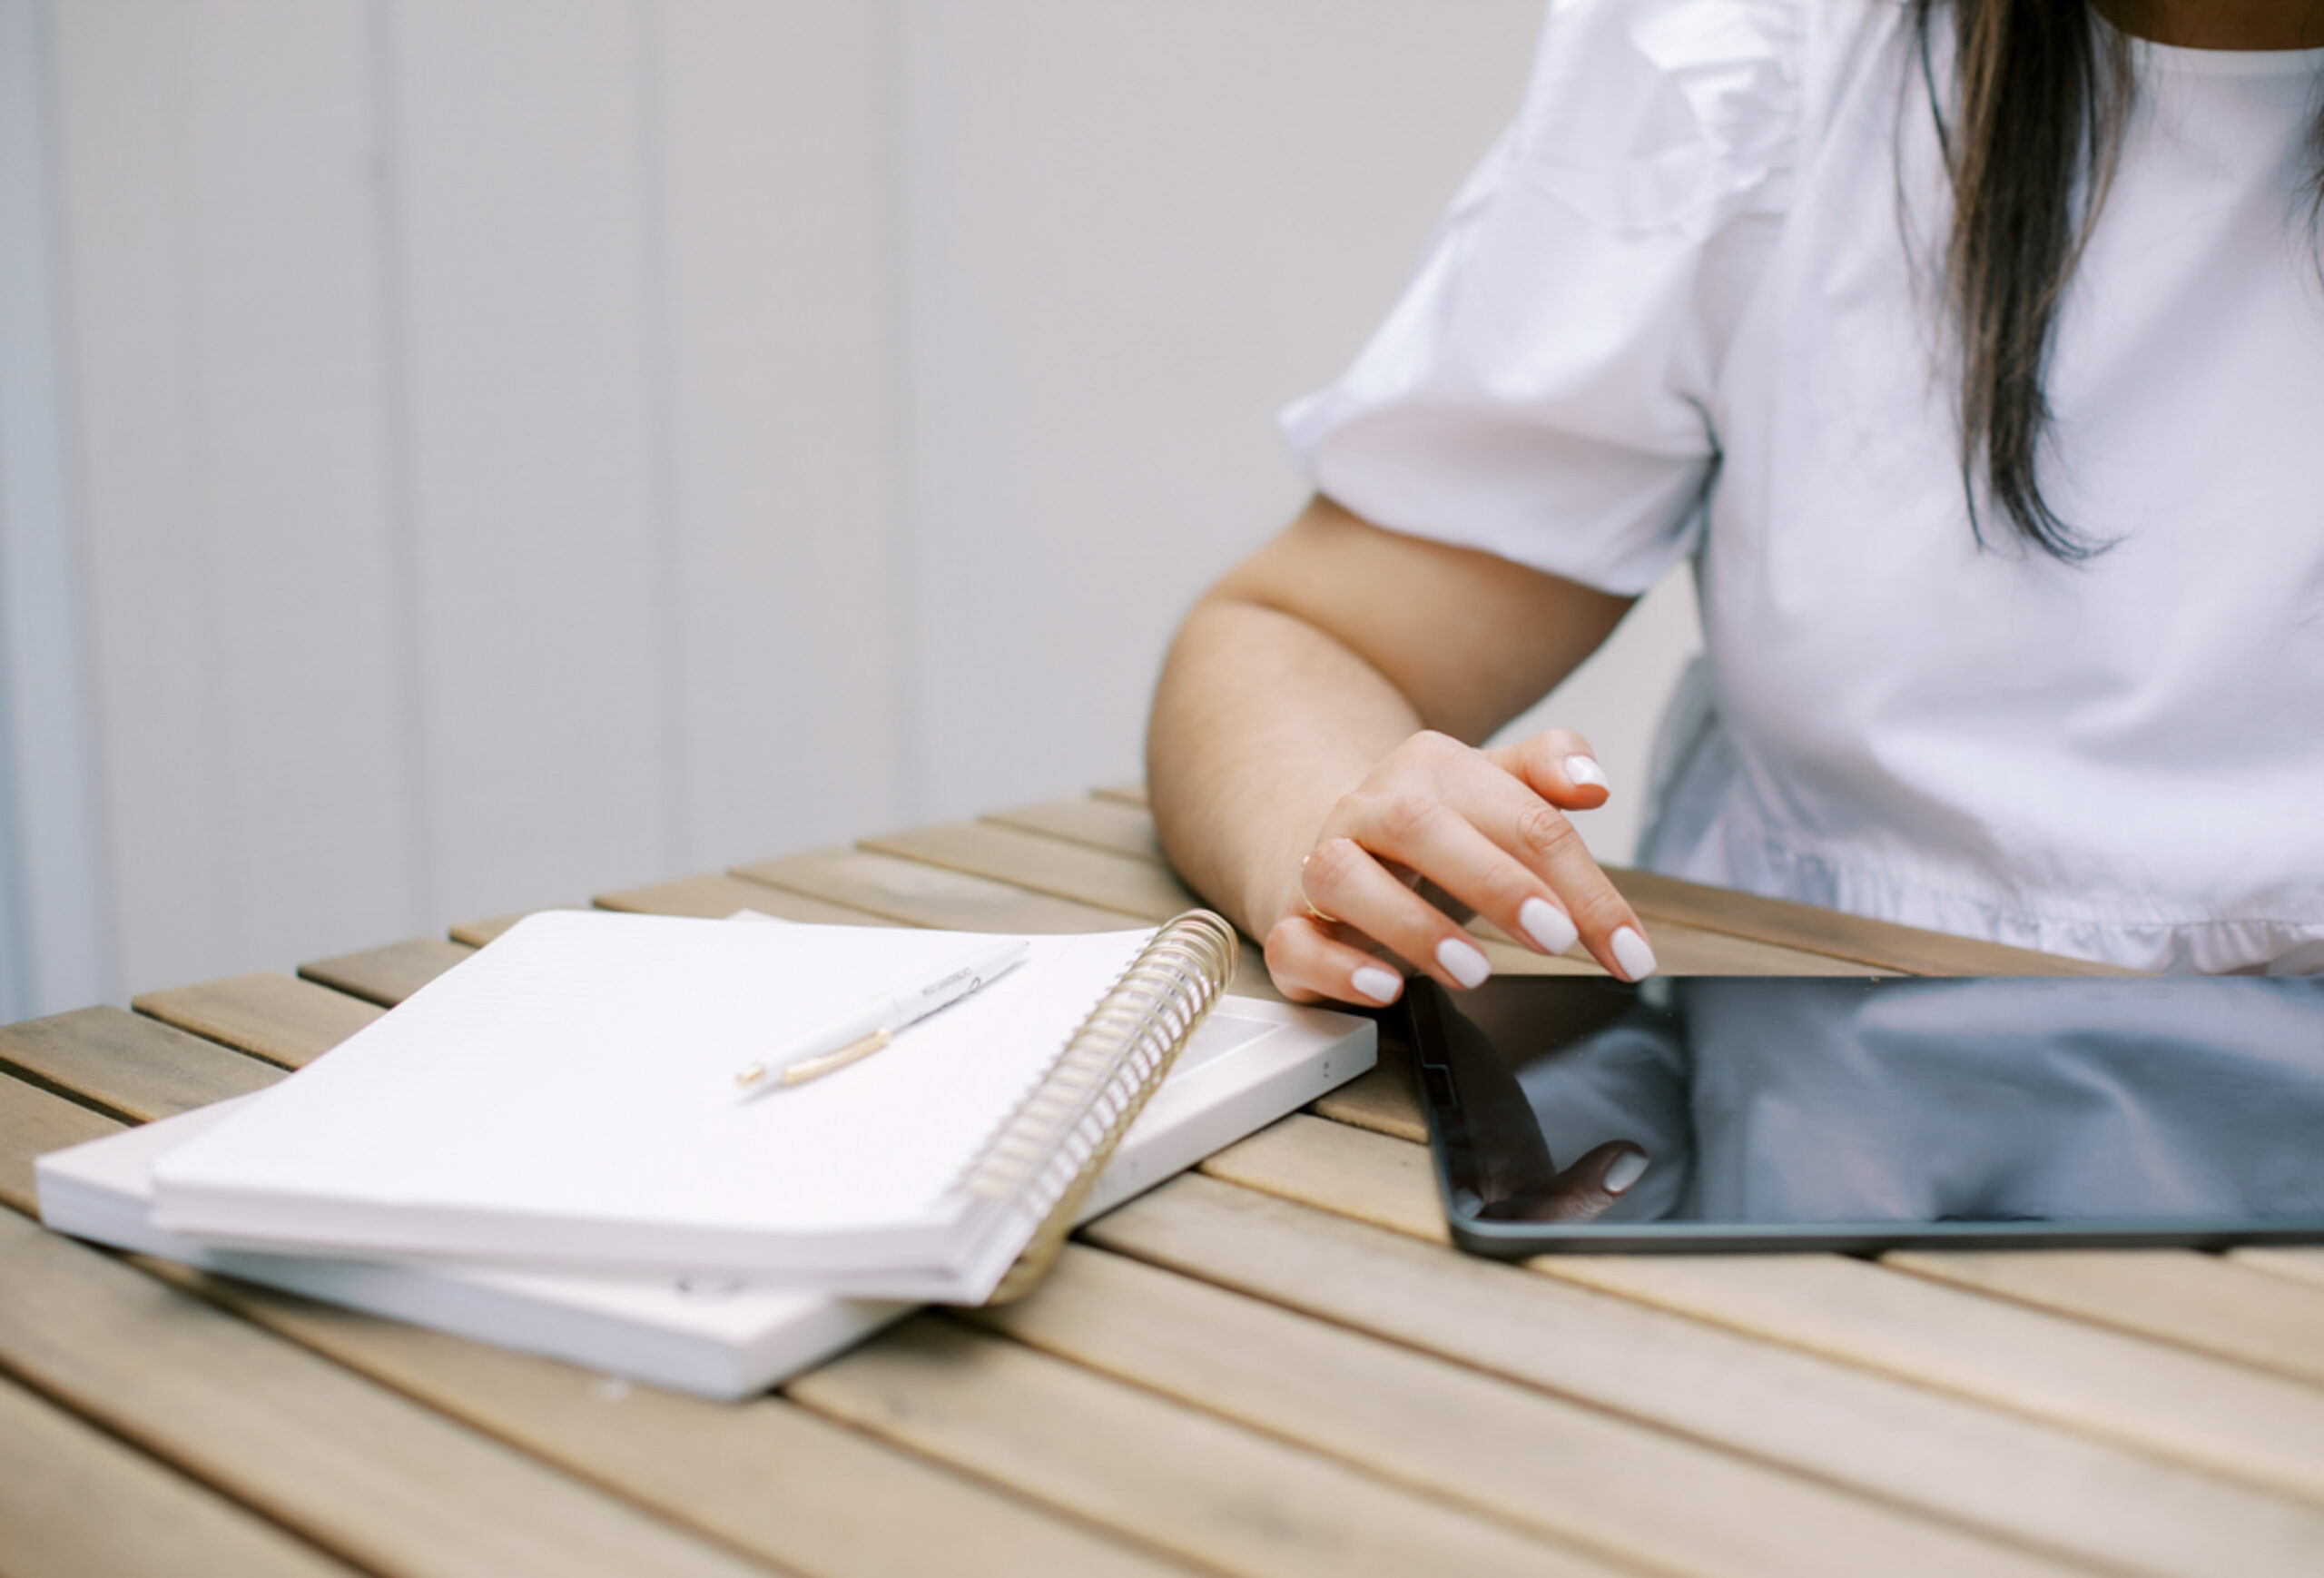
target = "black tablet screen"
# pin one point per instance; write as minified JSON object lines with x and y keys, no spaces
{"x":1781,"y":1112}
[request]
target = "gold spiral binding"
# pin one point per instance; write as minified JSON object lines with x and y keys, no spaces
{"x":1047,"y":1157}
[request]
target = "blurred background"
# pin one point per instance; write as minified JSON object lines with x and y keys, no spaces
{"x":459,"y":455}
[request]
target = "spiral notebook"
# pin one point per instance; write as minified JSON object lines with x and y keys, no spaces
{"x":565,"y":1099}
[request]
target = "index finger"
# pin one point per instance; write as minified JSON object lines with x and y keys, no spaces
{"x":1509,"y":809}
{"x":1559,"y":765}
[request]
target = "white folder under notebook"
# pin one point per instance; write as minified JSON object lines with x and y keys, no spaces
{"x":1250,"y":1063}
{"x":566,"y":1100}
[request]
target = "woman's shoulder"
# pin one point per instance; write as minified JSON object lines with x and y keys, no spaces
{"x":1640,"y":113}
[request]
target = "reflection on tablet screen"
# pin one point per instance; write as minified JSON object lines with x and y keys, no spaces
{"x":2058,"y":1110}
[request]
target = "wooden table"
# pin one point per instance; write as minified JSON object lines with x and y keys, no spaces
{"x":1276,"y":1365}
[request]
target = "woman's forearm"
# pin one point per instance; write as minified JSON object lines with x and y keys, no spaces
{"x":1312,"y":756}
{"x":1261,"y":722}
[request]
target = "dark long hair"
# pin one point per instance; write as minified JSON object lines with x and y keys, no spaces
{"x":2041,"y":95}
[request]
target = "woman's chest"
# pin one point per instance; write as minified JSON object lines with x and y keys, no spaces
{"x":1845,"y":588}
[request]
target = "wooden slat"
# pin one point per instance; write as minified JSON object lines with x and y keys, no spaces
{"x":714,"y":895}
{"x":1128,"y":794}
{"x":390,"y":974}
{"x":1833,"y":934}
{"x":1129,"y":885}
{"x":2211,"y":1414}
{"x":1124,"y":829}
{"x":1683,"y":950}
{"x":2203,"y":1302}
{"x":267,"y":1015}
{"x":1575,"y":1473}
{"x":128,"y":1064}
{"x":33,"y":1120}
{"x":367,"y":1475}
{"x":1179,"y":1479}
{"x":1028,"y":848}
{"x":919,"y":894}
{"x":2305,"y":1265}
{"x":1126,"y":884}
{"x":1507,"y":958}
{"x":1364,"y":1175}
{"x":76,"y":1504}
{"x":766,"y":1477}
{"x":1107,"y":825}
{"x":1687,"y":920}
{"x":2017,"y":1480}
{"x":1680,"y":950}
{"x":476,"y":933}
{"x":1382,"y":1099}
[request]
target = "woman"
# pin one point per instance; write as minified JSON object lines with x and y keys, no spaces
{"x":1973,"y":353}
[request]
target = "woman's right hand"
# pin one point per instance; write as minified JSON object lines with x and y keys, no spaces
{"x":1485,"y":827}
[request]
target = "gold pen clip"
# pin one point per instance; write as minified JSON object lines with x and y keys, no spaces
{"x":814,"y":1067}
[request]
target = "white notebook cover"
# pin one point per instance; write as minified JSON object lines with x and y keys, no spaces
{"x":1250,"y":1063}
{"x":566,"y":1098}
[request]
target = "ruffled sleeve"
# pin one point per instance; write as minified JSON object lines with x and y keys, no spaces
{"x":1544,"y":389}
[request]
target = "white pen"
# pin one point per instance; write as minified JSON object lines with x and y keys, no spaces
{"x":864,"y":1030}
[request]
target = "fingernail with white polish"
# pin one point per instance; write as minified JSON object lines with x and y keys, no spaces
{"x":1632,"y":953}
{"x":1628,"y":1169}
{"x":1462,"y":963}
{"x":1552,"y":930}
{"x":1583,"y":771}
{"x":1379,"y":985}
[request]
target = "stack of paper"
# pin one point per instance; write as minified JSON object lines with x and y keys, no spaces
{"x":545,"y":1147}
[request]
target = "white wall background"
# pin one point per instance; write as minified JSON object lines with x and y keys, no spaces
{"x":525,"y":447}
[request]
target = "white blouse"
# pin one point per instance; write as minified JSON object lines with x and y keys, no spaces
{"x":1683,"y":309}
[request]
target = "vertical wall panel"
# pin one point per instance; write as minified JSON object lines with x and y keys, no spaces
{"x":529,"y":447}
{"x":122,"y":115}
{"x":294,"y":496}
{"x":1132,"y":229}
{"x":541,"y":594}
{"x":56,"y":948}
{"x":768,"y":120}
{"x":221,"y":250}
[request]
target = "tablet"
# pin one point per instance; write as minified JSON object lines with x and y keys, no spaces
{"x":1771,"y":1113}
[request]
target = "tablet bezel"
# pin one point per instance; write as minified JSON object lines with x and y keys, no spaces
{"x":1449,"y":1129}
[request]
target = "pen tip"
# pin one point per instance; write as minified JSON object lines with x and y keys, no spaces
{"x":750,"y":1075}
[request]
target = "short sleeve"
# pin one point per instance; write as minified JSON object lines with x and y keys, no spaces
{"x":1544,"y":387}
